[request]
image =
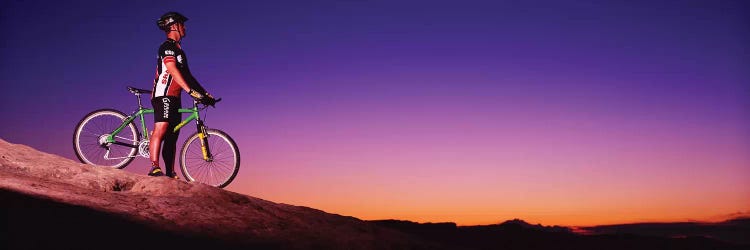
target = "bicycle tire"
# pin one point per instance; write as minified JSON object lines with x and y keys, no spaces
{"x":219,"y":172}
{"x":98,"y":124}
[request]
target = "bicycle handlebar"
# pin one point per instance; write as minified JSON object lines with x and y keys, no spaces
{"x":217,"y":100}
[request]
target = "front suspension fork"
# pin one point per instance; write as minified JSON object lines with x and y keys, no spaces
{"x":203,"y":136}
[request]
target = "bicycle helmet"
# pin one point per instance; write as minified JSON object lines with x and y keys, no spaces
{"x":170,"y":18}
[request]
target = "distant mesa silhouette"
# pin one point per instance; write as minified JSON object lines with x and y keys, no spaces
{"x":50,"y":202}
{"x":735,"y":231}
{"x":518,"y":234}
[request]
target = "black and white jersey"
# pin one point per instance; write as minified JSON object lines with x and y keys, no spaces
{"x":170,"y":51}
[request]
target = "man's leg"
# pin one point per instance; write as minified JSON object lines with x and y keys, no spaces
{"x":170,"y":149}
{"x":154,"y":145}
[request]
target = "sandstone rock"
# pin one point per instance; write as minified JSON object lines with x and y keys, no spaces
{"x":37,"y":184}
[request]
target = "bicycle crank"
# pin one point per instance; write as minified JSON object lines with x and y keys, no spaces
{"x":143,"y":149}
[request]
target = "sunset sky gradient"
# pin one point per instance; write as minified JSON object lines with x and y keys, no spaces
{"x":556,"y":112}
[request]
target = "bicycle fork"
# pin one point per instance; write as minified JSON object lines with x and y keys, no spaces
{"x":203,"y":136}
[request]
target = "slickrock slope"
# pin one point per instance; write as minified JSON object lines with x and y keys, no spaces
{"x":52,"y":202}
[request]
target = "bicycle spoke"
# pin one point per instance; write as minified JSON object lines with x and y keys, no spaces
{"x":217,"y":172}
{"x":93,"y":134}
{"x":90,"y":132}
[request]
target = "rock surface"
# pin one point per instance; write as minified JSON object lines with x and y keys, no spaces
{"x":51,"y":201}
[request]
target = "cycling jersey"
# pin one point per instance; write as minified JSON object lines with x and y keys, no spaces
{"x":170,"y":51}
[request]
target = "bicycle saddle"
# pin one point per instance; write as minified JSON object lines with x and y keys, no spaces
{"x":138,"y":91}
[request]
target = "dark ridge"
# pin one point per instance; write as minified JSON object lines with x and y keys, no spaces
{"x":33,"y":223}
{"x":523,"y":224}
{"x":743,"y":221}
{"x":518,"y":234}
{"x":735,"y":231}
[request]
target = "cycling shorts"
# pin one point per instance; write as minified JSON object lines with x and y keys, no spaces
{"x":166,"y":109}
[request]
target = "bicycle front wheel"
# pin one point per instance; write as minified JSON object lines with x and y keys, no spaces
{"x":90,"y":139}
{"x":220,"y":169}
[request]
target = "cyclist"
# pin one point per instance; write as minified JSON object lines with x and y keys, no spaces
{"x":172,"y":76}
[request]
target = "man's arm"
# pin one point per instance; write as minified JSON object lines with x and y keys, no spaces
{"x":198,"y":92}
{"x":176,"y":75}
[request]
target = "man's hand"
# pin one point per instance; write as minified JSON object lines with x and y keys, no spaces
{"x":197,"y":96}
{"x":208,"y":100}
{"x":205,"y":98}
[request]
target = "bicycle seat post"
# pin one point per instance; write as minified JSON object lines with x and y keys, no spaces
{"x":140,"y":106}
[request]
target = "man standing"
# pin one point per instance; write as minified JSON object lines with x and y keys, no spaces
{"x":172,"y":76}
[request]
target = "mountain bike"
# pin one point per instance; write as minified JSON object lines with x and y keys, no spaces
{"x":109,"y":138}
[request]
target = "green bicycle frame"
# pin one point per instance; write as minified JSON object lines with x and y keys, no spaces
{"x":142,"y":111}
{"x":139,"y":114}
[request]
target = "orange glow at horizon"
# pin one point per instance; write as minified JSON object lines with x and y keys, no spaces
{"x":484,"y":198}
{"x":472,"y":112}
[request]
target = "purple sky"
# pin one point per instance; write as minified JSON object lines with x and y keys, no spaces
{"x":468,"y":111}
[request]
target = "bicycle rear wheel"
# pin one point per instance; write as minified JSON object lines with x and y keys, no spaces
{"x":89,"y":139}
{"x":218,"y":171}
